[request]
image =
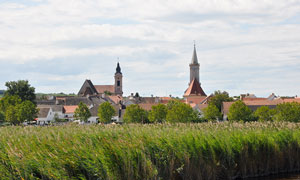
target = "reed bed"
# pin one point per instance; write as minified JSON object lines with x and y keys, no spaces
{"x":155,"y":151}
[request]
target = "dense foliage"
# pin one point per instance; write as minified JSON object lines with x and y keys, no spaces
{"x":264,"y":113}
{"x":106,"y":112}
{"x":158,"y":113}
{"x":161,"y":151}
{"x":218,"y":97}
{"x":82,"y":112}
{"x":238,"y":111}
{"x":22,"y":89}
{"x":287,"y":112}
{"x":180,"y":112}
{"x":16,"y":111}
{"x":135,"y":114}
{"x":212,"y":113}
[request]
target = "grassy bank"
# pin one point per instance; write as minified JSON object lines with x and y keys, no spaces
{"x":179,"y":151}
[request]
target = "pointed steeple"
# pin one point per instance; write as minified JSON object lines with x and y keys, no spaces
{"x":194,"y":58}
{"x":118,"y":69}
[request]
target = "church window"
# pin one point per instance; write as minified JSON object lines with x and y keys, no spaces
{"x":118,"y":83}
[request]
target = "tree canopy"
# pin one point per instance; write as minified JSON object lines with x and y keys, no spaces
{"x":212,"y":113}
{"x":264,"y":113}
{"x":135,"y":114}
{"x":180,"y":112}
{"x":106,"y":112}
{"x":238,"y":111}
{"x":219,"y":97}
{"x":158,"y":113}
{"x":22,"y":89}
{"x":82,"y":112}
{"x":287,"y":112}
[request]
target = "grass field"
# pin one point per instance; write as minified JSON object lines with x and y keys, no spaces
{"x":168,"y":151}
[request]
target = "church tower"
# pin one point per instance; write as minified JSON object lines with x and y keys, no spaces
{"x":194,"y":88}
{"x":118,"y":81}
{"x":194,"y":67}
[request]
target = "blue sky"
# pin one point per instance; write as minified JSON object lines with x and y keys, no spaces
{"x":244,"y":46}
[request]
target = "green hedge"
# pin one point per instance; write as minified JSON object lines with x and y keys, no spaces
{"x":157,"y":151}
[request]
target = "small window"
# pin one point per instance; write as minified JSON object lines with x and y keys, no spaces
{"x":118,"y":83}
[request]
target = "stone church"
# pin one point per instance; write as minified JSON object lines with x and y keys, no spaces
{"x":89,"y":89}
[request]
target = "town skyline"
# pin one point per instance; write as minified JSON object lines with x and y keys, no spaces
{"x":242,"y":47}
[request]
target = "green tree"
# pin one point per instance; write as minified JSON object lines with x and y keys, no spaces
{"x":264,"y":113}
{"x":2,"y":117}
{"x":11,"y":115}
{"x":219,"y":97}
{"x":82,"y":112}
{"x":26,"y":111}
{"x":238,"y":111}
{"x":287,"y":112}
{"x":22,"y":89}
{"x":212,"y":113}
{"x":106,"y":112}
{"x":180,"y":112}
{"x":158,"y":113}
{"x":9,"y":101}
{"x":135,"y":114}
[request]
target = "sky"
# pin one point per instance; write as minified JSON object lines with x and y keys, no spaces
{"x":243,"y":46}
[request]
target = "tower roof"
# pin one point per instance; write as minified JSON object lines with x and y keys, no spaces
{"x":194,"y":89}
{"x":118,"y":69}
{"x":194,"y":58}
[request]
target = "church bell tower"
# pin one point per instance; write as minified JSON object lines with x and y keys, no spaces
{"x":194,"y":67}
{"x":118,"y":81}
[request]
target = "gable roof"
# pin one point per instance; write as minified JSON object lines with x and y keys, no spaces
{"x":69,"y":109}
{"x":102,"y":88}
{"x":194,"y":89}
{"x":43,"y":112}
{"x":116,"y":99}
{"x":87,"y":87}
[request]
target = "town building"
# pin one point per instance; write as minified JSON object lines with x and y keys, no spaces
{"x":194,"y":94}
{"x":89,"y":89}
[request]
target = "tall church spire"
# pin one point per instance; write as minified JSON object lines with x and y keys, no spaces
{"x":194,"y":67}
{"x":194,"y":58}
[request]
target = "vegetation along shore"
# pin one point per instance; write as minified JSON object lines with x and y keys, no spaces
{"x":153,"y":151}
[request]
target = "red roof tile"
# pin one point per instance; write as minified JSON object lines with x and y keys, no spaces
{"x":194,"y":89}
{"x":69,"y":109}
{"x":102,"y":88}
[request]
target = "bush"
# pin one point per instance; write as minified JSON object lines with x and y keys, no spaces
{"x":212,"y":113}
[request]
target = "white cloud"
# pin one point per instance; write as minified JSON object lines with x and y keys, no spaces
{"x":154,"y":40}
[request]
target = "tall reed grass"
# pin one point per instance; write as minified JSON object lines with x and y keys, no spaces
{"x":157,"y":151}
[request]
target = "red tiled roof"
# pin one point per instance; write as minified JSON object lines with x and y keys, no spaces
{"x":102,"y":88}
{"x":195,"y":99}
{"x":254,"y":99}
{"x":147,"y":106}
{"x":116,"y":99}
{"x":194,"y":89}
{"x":69,"y":109}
